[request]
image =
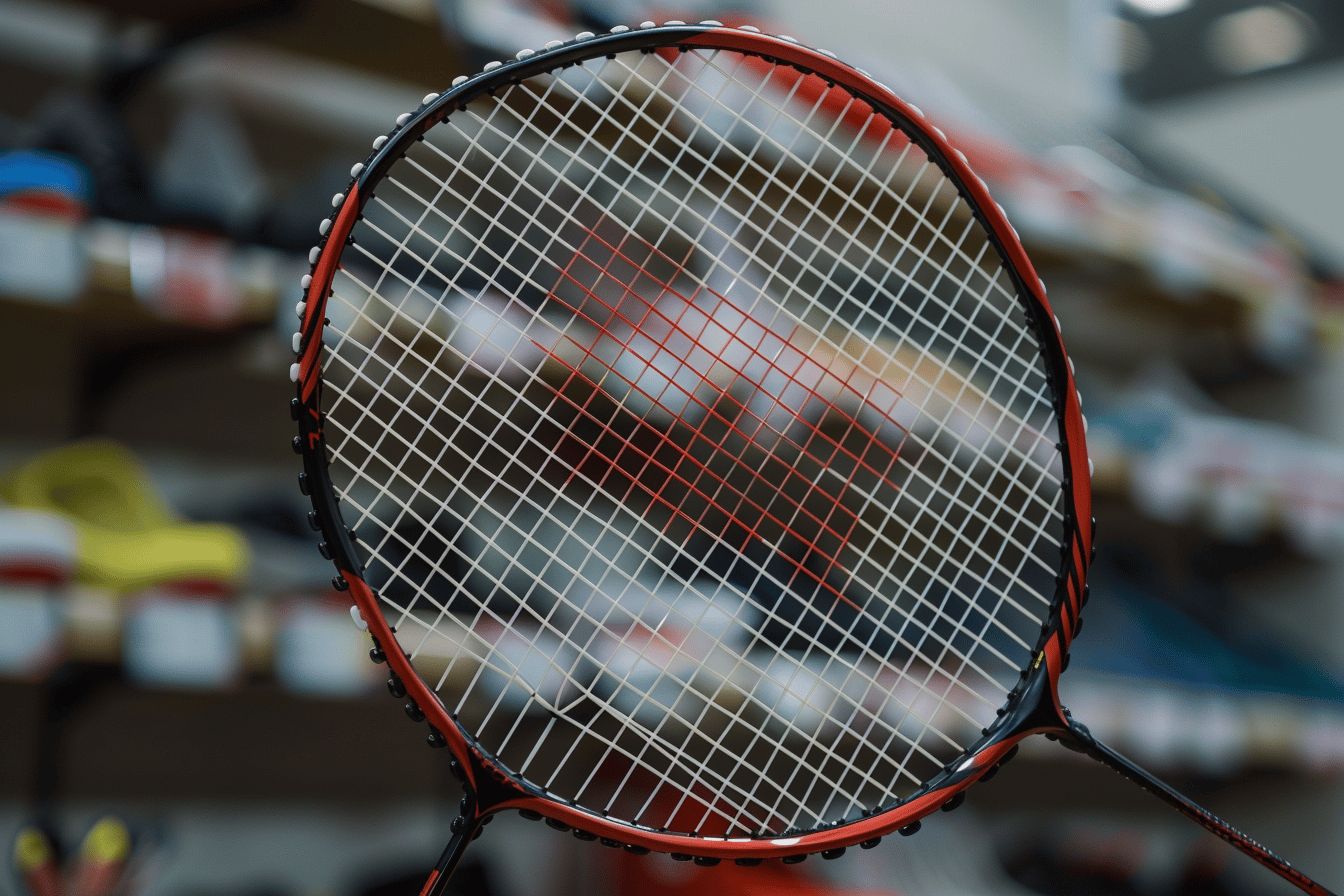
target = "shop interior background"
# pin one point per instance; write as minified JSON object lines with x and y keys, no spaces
{"x":1174,"y":169}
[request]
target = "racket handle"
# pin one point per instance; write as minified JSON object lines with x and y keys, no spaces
{"x":466,"y":827}
{"x":1192,"y":810}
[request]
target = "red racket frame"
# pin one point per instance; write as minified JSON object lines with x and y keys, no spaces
{"x":475,"y":764}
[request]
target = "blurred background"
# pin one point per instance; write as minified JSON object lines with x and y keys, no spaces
{"x":185,"y":707}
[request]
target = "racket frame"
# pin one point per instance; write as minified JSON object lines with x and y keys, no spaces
{"x":1033,"y":706}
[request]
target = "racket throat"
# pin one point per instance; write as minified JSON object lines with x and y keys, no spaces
{"x":1037,"y":710}
{"x":467,"y":826}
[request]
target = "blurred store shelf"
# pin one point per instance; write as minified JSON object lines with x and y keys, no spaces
{"x":309,"y":648}
{"x":1076,"y":206}
{"x":1179,"y":459}
{"x":105,"y":269}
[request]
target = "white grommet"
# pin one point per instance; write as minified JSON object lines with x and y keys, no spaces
{"x":752,"y":28}
{"x":1041,"y":283}
{"x":1078,"y":395}
{"x":961,"y":155}
{"x":402,"y":119}
{"x":1091,"y":467}
{"x":792,"y":40}
{"x":298,"y":338}
{"x":294,"y":372}
{"x":356,"y":168}
{"x":312,"y":255}
{"x":620,"y":29}
{"x":337,"y":199}
{"x":1072,"y":369}
{"x":863,"y":72}
{"x":832,"y":55}
{"x":674,"y":22}
{"x":300,"y":308}
{"x":491,"y":66}
{"x":584,"y":35}
{"x":305,"y":280}
{"x":523,"y":54}
{"x":379,"y":141}
{"x":460,"y":79}
{"x":646,"y":24}
{"x":919,"y":113}
{"x":358,"y":618}
{"x":428,"y":98}
{"x":324,"y":227}
{"x":714,"y":22}
{"x":1084,"y":416}
{"x":552,"y":44}
{"x":1058,"y":328}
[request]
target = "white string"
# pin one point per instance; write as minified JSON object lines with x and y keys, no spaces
{"x":752,"y":764}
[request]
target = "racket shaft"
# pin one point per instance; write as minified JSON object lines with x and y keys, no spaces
{"x":1203,"y":817}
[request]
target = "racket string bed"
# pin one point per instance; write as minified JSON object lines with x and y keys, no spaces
{"x":412,"y":227}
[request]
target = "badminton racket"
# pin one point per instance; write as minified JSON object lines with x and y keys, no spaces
{"x":699,"y":449}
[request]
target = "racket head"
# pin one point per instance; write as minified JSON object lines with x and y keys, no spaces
{"x":1027,"y":704}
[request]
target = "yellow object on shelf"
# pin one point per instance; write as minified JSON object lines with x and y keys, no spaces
{"x":127,"y":537}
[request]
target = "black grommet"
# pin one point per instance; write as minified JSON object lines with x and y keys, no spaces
{"x":833,"y":853}
{"x":486,"y":820}
{"x":706,"y":861}
{"x":680,"y":857}
{"x":558,"y":825}
{"x":395,"y":687}
{"x":297,"y":444}
{"x":794,"y":860}
{"x":294,"y":409}
{"x":457,"y":825}
{"x":747,"y":863}
{"x":303,"y":484}
{"x":1078,"y":626}
{"x":912,"y":828}
{"x":607,"y":841}
{"x":583,"y":835}
{"x":954,"y":801}
{"x":376,"y":654}
{"x":436,"y":740}
{"x":989,"y":775}
{"x":1064,"y":666}
{"x":324,"y":549}
{"x":414,"y":712}
{"x":339,"y":583}
{"x":476,"y":833}
{"x":530,"y":814}
{"x":869,"y":844}
{"x":636,"y":850}
{"x":312,"y":521}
